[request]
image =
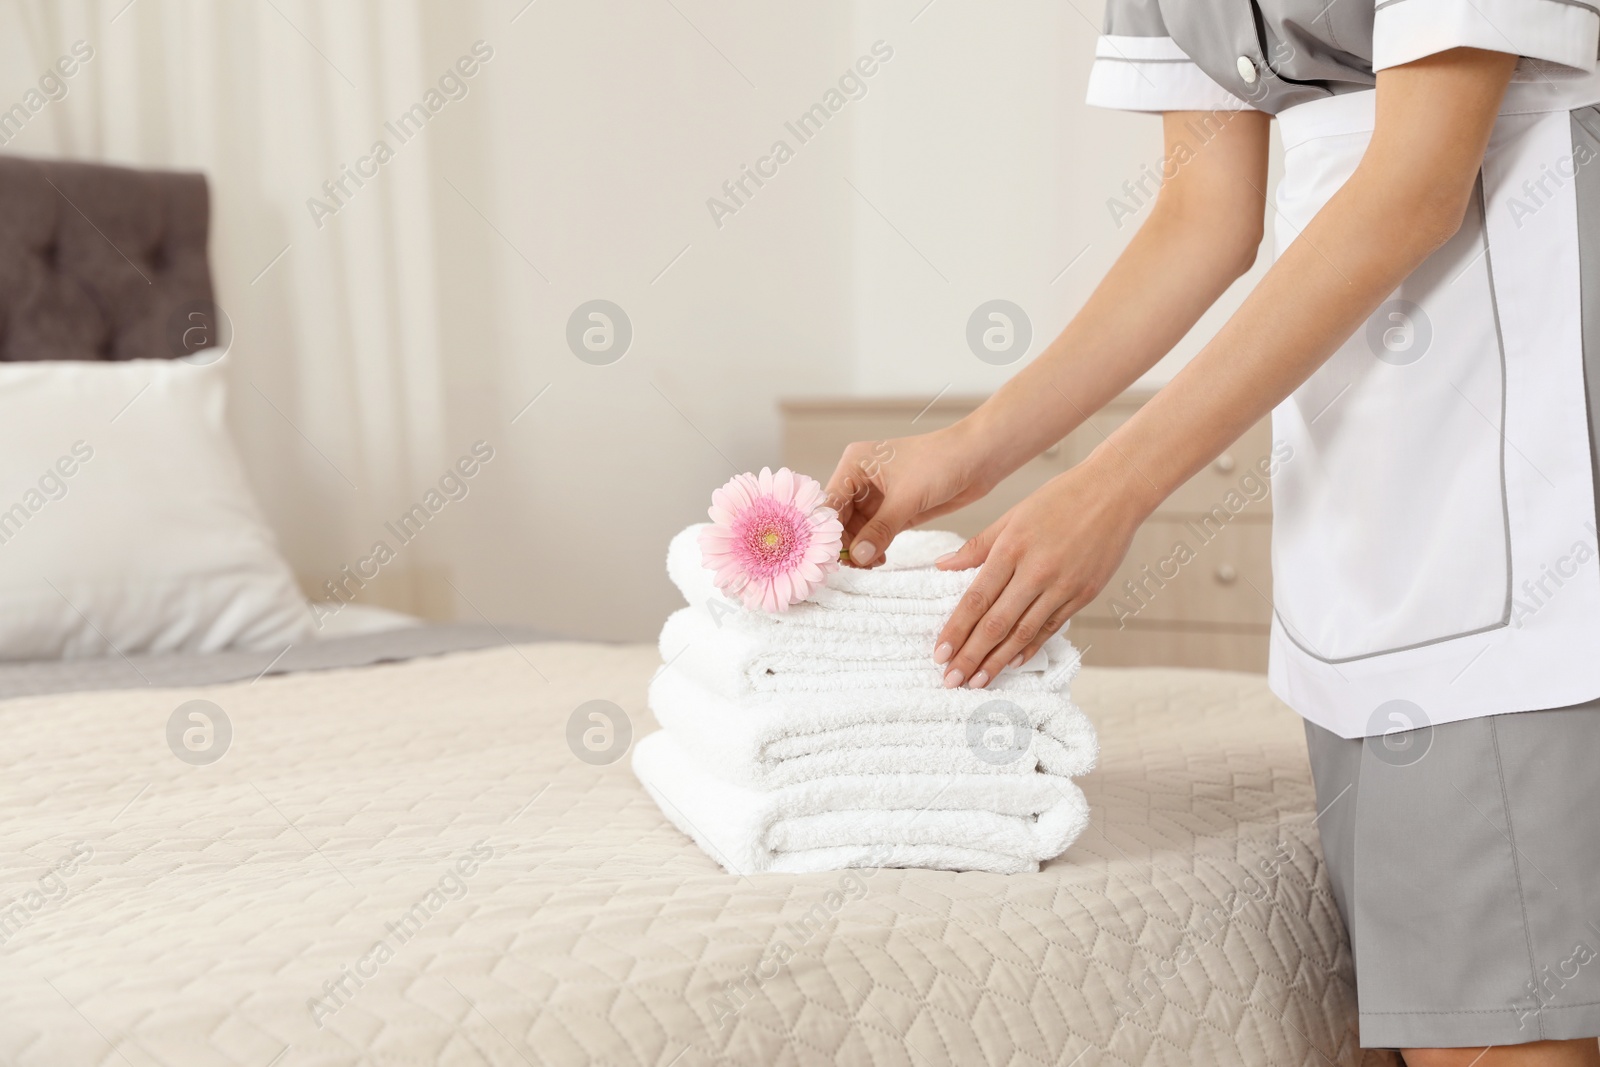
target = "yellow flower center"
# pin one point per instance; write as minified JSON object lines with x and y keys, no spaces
{"x":770,"y":538}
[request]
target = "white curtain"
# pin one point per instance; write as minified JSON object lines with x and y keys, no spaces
{"x":337,"y":387}
{"x":431,"y":308}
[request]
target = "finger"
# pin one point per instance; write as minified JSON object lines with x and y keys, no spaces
{"x":1051,"y":627}
{"x":1028,"y":629}
{"x":997,"y":623}
{"x":891,"y":515}
{"x":981,"y":595}
{"x":941,"y":509}
{"x":845,"y":509}
{"x":853,"y":483}
{"x":862,"y":506}
{"x":974,"y":552}
{"x":844,"y":486}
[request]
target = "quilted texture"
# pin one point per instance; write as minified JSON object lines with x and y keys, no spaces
{"x":103,"y":263}
{"x":556,"y":918}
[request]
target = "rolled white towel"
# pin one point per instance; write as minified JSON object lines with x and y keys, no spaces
{"x":882,"y":617}
{"x":945,"y":822}
{"x":782,"y":739}
{"x":905,"y":594}
{"x":735,"y":661}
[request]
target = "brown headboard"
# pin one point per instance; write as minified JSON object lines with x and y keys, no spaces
{"x":100,"y":263}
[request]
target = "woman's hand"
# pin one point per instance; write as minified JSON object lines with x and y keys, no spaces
{"x":1197,"y":238}
{"x":883,"y":487}
{"x":1043,"y":561}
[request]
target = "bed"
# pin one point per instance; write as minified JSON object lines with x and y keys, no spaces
{"x":398,"y":856}
{"x":218,"y":905}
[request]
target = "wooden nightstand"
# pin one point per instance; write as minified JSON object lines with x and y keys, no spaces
{"x":1196,"y":587}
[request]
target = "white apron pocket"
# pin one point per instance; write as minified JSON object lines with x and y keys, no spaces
{"x":1390,"y":523}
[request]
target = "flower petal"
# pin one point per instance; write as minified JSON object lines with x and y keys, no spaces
{"x":826,"y":520}
{"x":783,"y":485}
{"x":716,"y":539}
{"x":740,"y":492}
{"x":730,"y":574}
{"x":808,"y":493}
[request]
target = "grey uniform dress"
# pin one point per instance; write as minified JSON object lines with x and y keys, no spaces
{"x":1436,"y":580}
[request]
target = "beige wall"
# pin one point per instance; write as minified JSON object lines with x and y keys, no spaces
{"x":425,"y":314}
{"x":608,"y":127}
{"x":984,"y":157}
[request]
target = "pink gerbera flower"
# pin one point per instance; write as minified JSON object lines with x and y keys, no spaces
{"x":772,"y":540}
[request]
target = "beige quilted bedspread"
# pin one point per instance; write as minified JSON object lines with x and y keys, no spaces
{"x":406,"y":864}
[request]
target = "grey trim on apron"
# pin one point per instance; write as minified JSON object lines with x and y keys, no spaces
{"x":1505,"y":504}
{"x":1586,"y":186}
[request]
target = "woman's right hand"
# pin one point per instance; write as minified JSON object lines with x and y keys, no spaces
{"x":882,"y":487}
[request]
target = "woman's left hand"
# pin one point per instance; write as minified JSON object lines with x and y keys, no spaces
{"x":1043,"y":561}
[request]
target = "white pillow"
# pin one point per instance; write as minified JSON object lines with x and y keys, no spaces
{"x":126,"y":524}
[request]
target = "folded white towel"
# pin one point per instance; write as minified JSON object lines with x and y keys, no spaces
{"x":946,"y":822}
{"x":906,"y":594}
{"x":782,"y":739}
{"x":736,"y":662}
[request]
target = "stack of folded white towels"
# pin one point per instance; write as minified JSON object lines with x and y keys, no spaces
{"x":822,"y":737}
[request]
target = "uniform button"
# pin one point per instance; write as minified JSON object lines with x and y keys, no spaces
{"x":1247,"y":70}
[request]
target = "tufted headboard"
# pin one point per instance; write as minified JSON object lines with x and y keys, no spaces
{"x":102,"y":263}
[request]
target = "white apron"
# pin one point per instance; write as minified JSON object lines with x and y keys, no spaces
{"x":1434,"y":546}
{"x":1434,"y":527}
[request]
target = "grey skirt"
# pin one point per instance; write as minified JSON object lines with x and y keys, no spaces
{"x":1465,"y":859}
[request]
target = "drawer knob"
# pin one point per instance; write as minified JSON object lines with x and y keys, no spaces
{"x":1225,"y":462}
{"x":1226,"y":574}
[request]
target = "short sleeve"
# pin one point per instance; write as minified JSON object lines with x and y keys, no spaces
{"x":1152,"y":74}
{"x":1139,"y":67}
{"x":1549,"y":33}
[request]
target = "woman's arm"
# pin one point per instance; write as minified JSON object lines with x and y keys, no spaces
{"x":1053,"y":553}
{"x":1202,"y":234}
